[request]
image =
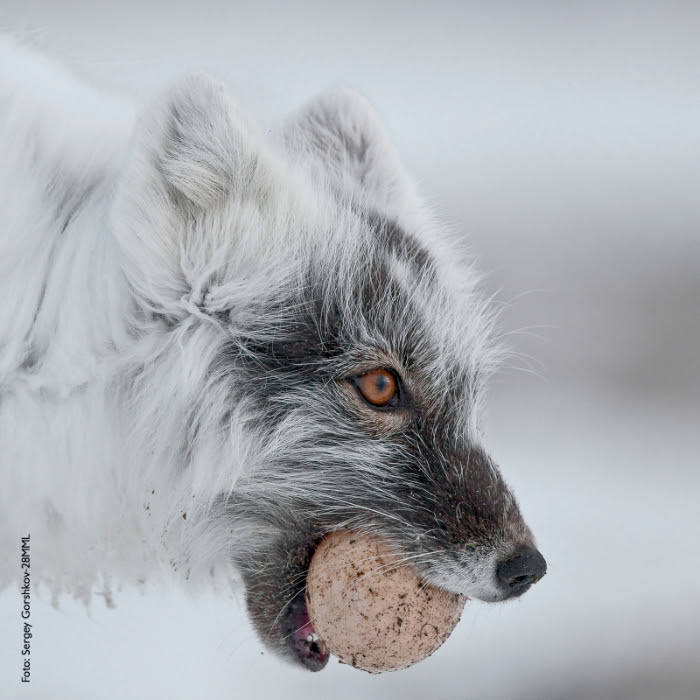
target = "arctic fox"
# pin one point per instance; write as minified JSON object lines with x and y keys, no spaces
{"x":217,"y":346}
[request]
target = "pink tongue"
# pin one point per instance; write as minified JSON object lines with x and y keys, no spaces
{"x":304,"y":631}
{"x":309,"y":647}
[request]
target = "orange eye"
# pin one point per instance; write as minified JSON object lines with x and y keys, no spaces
{"x":378,"y":386}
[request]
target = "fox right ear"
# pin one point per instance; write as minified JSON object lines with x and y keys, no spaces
{"x":343,"y":135}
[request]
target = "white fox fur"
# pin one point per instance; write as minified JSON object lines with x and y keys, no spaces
{"x":124,"y":242}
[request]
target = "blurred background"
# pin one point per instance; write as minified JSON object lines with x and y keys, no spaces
{"x":563,"y":139}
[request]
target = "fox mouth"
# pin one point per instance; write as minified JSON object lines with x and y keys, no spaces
{"x":297,"y":631}
{"x":278,"y":600}
{"x":302,"y":640}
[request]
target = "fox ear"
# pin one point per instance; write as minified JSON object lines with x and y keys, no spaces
{"x":196,"y":141}
{"x":343,"y":135}
{"x":194,"y":156}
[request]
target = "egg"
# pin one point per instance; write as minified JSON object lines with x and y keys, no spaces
{"x":373,"y":612}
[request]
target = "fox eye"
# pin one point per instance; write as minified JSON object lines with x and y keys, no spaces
{"x":378,"y":387}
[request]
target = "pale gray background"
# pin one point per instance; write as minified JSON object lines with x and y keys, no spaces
{"x":564,"y":140}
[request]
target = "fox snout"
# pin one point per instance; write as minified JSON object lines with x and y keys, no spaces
{"x":518,"y":572}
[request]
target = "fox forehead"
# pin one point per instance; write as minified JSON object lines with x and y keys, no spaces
{"x":372,"y":292}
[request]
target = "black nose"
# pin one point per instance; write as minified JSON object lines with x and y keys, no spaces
{"x":524,"y":568}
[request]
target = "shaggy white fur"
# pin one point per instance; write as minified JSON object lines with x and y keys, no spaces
{"x":130,"y":252}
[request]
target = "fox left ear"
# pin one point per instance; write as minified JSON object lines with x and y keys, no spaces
{"x":346,"y":141}
{"x":197,"y":141}
{"x":193,"y":154}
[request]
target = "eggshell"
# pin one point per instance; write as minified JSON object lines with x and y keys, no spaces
{"x":372,"y":613}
